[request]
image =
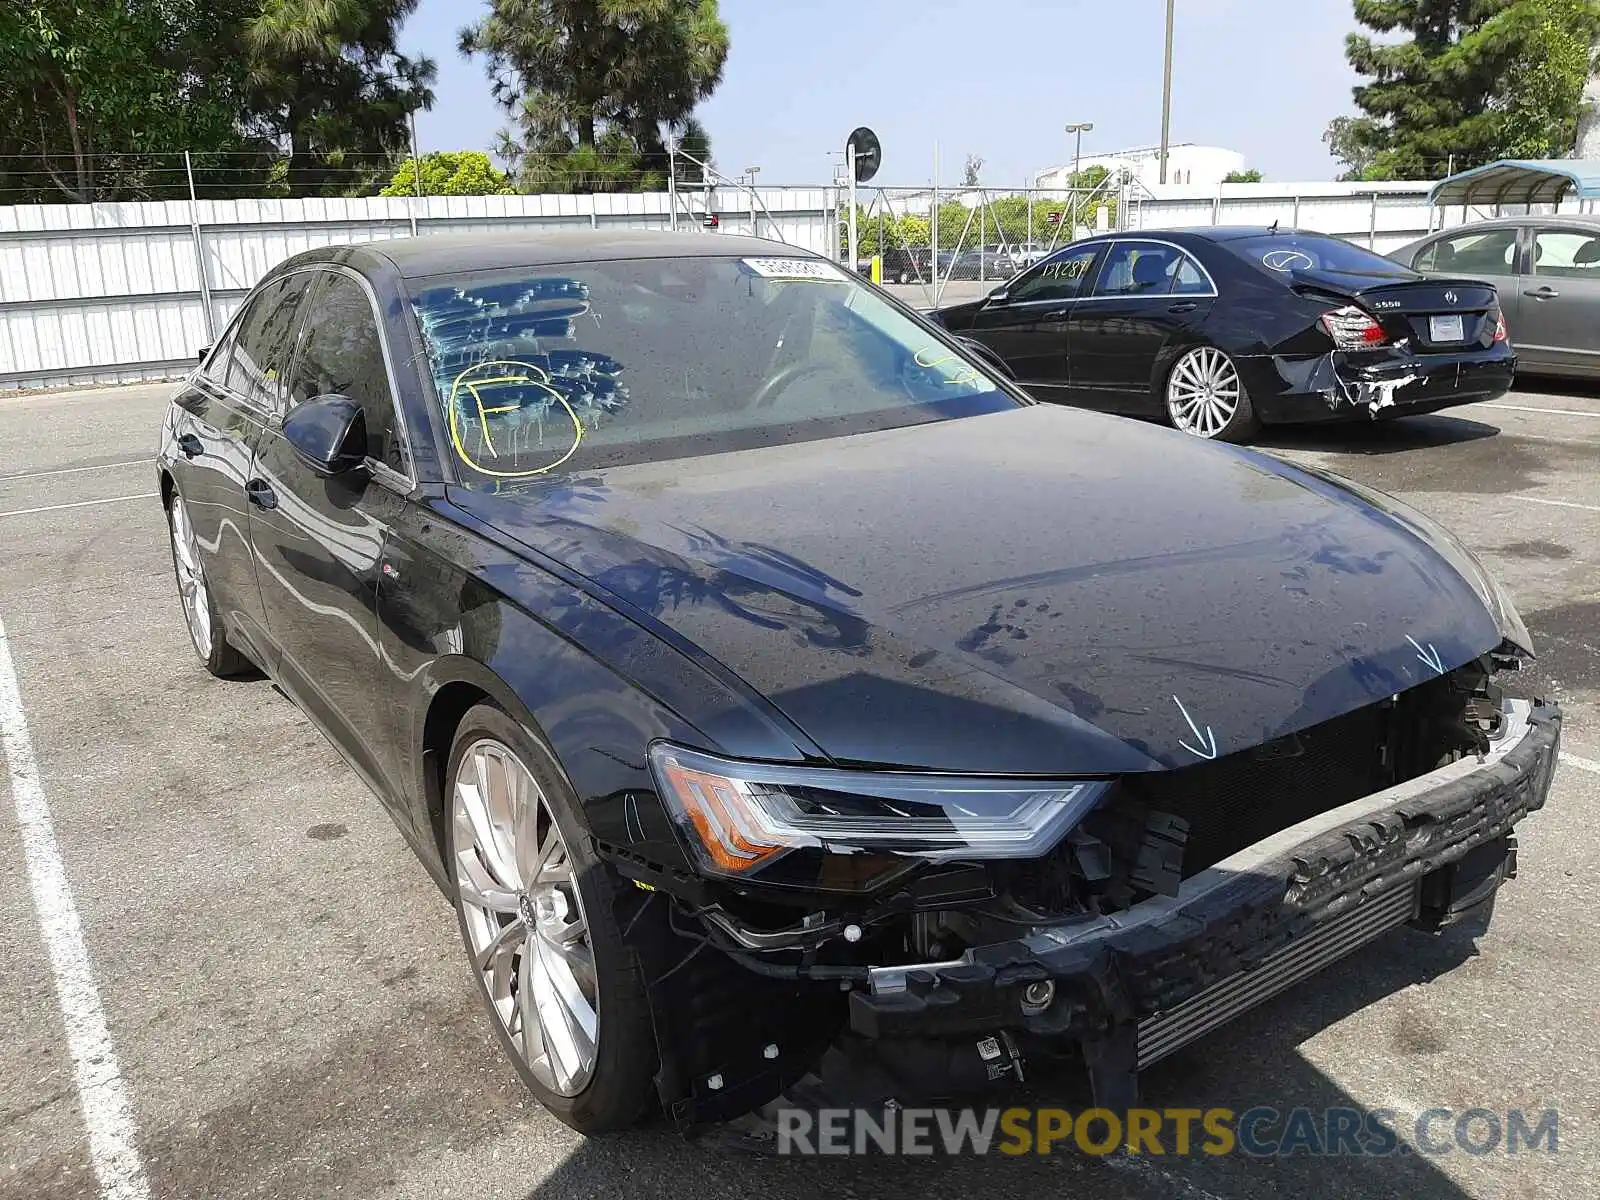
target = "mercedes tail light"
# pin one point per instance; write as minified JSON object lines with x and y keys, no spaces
{"x":1501,"y":333}
{"x":1353,"y":328}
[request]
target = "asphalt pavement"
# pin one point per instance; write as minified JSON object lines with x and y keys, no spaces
{"x":277,"y":1003}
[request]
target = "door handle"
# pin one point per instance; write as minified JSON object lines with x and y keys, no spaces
{"x":1059,"y":314}
{"x":259,"y":492}
{"x":1545,"y":293}
{"x":1186,"y":306}
{"x":191,"y":446}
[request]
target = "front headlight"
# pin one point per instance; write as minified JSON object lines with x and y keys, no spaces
{"x":853,"y":829}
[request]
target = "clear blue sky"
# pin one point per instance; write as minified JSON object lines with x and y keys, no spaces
{"x":996,"y":78}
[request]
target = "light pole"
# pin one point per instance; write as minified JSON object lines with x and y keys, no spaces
{"x":1077,"y":130}
{"x":1166,"y":94}
{"x":752,"y":172}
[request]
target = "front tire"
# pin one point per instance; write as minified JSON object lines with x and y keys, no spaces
{"x":206,"y":634}
{"x":1206,"y":397}
{"x":535,"y":907}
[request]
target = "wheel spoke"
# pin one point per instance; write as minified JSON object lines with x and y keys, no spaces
{"x":523,"y":917}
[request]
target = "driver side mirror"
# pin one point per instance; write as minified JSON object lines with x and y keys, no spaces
{"x":999,"y":297}
{"x":329,"y":433}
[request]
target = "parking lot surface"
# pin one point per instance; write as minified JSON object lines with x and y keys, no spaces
{"x":285,"y":1007}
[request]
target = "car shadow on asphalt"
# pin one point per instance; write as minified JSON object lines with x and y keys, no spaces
{"x":1394,"y":436}
{"x":1254,"y":1062}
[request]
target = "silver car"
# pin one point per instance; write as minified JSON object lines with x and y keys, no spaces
{"x":1547,"y":271}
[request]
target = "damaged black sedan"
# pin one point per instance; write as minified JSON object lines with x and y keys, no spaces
{"x":754,"y":667}
{"x":1219,"y":331}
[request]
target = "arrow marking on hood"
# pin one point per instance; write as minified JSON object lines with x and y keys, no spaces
{"x":1430,"y":656}
{"x":1206,"y":739}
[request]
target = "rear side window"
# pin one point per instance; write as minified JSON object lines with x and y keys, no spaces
{"x":1059,"y":277}
{"x":341,"y":353}
{"x":261,"y":351}
{"x":1149,"y":269}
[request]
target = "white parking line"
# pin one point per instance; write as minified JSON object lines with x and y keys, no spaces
{"x":1561,"y":412}
{"x":107,"y":1113}
{"x":1583,"y":764}
{"x":1529,"y":499}
{"x":25,"y":512}
{"x":132,"y":462}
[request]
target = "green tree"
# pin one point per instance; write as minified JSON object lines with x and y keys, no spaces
{"x":595,"y":87}
{"x":1250,"y":176}
{"x":99,"y":98}
{"x":449,"y":173}
{"x":1472,"y":81}
{"x":326,"y":77}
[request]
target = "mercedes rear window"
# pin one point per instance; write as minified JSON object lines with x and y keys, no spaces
{"x":1286,"y":253}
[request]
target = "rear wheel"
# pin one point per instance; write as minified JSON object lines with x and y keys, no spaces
{"x":200,"y":614}
{"x":1206,"y":397}
{"x":535,"y":907}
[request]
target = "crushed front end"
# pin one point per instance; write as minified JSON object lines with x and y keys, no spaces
{"x":1117,"y":918}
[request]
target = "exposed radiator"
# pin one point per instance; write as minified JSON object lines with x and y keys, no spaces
{"x":1222,"y":1001}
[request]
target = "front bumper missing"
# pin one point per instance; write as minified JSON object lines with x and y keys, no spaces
{"x":1239,"y":931}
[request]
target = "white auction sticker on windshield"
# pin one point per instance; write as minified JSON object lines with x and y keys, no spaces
{"x":794,"y":268}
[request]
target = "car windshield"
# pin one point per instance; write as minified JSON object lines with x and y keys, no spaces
{"x":1285,"y":253}
{"x":598,"y":364}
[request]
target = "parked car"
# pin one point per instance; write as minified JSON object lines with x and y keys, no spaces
{"x":1547,"y":272}
{"x":748,"y":663}
{"x":1221,"y":330}
{"x":981,"y":264}
{"x":901,"y":264}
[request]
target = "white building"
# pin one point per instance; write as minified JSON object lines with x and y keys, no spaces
{"x":1187,"y":164}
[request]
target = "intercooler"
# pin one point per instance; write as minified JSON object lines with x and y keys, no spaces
{"x":1166,"y":1032}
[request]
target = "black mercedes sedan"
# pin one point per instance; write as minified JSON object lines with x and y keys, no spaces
{"x":753,"y":667}
{"x":1219,"y":331}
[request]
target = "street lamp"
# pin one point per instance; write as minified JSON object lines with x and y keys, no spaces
{"x":1166,"y":94}
{"x":751,"y":173}
{"x":1078,"y":130}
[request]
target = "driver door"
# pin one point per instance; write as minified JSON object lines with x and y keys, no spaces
{"x":1026,"y":324}
{"x":319,"y":540}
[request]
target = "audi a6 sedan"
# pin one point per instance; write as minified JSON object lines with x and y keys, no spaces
{"x":1219,"y":331}
{"x":753,"y":667}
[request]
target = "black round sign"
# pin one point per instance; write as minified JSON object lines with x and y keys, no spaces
{"x":869,"y":154}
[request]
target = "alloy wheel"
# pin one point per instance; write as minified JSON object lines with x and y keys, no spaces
{"x":1203,"y":392}
{"x":191,"y":580}
{"x":524,"y":918}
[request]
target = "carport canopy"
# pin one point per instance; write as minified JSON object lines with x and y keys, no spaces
{"x":1521,"y":181}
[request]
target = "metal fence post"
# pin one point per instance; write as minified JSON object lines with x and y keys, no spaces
{"x":1372,"y":225}
{"x":672,"y":185}
{"x":1295,"y":220}
{"x":200,"y":251}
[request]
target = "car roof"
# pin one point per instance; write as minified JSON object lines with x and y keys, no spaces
{"x":1557,"y":220}
{"x":460,"y":253}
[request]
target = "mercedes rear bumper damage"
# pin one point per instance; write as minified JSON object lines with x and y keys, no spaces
{"x":1182,"y":901}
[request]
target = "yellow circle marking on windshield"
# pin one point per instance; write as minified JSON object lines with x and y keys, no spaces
{"x":968,"y":373}
{"x":526,"y":373}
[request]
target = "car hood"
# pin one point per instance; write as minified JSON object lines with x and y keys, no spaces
{"x":1036,"y":591}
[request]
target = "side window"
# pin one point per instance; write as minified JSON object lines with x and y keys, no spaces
{"x":341,"y":353}
{"x":1566,"y":254}
{"x":1138,"y":269}
{"x":221,"y":356}
{"x":1490,"y":252}
{"x":1059,"y":277}
{"x":1189,"y":279}
{"x":261,"y":352}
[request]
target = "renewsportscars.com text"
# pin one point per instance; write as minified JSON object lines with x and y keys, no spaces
{"x":1260,"y":1132}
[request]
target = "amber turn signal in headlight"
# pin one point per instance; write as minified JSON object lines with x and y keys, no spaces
{"x":736,"y":817}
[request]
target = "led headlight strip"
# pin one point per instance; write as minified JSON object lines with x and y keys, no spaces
{"x":736,"y":817}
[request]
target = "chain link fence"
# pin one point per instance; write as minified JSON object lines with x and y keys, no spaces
{"x":973,"y":235}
